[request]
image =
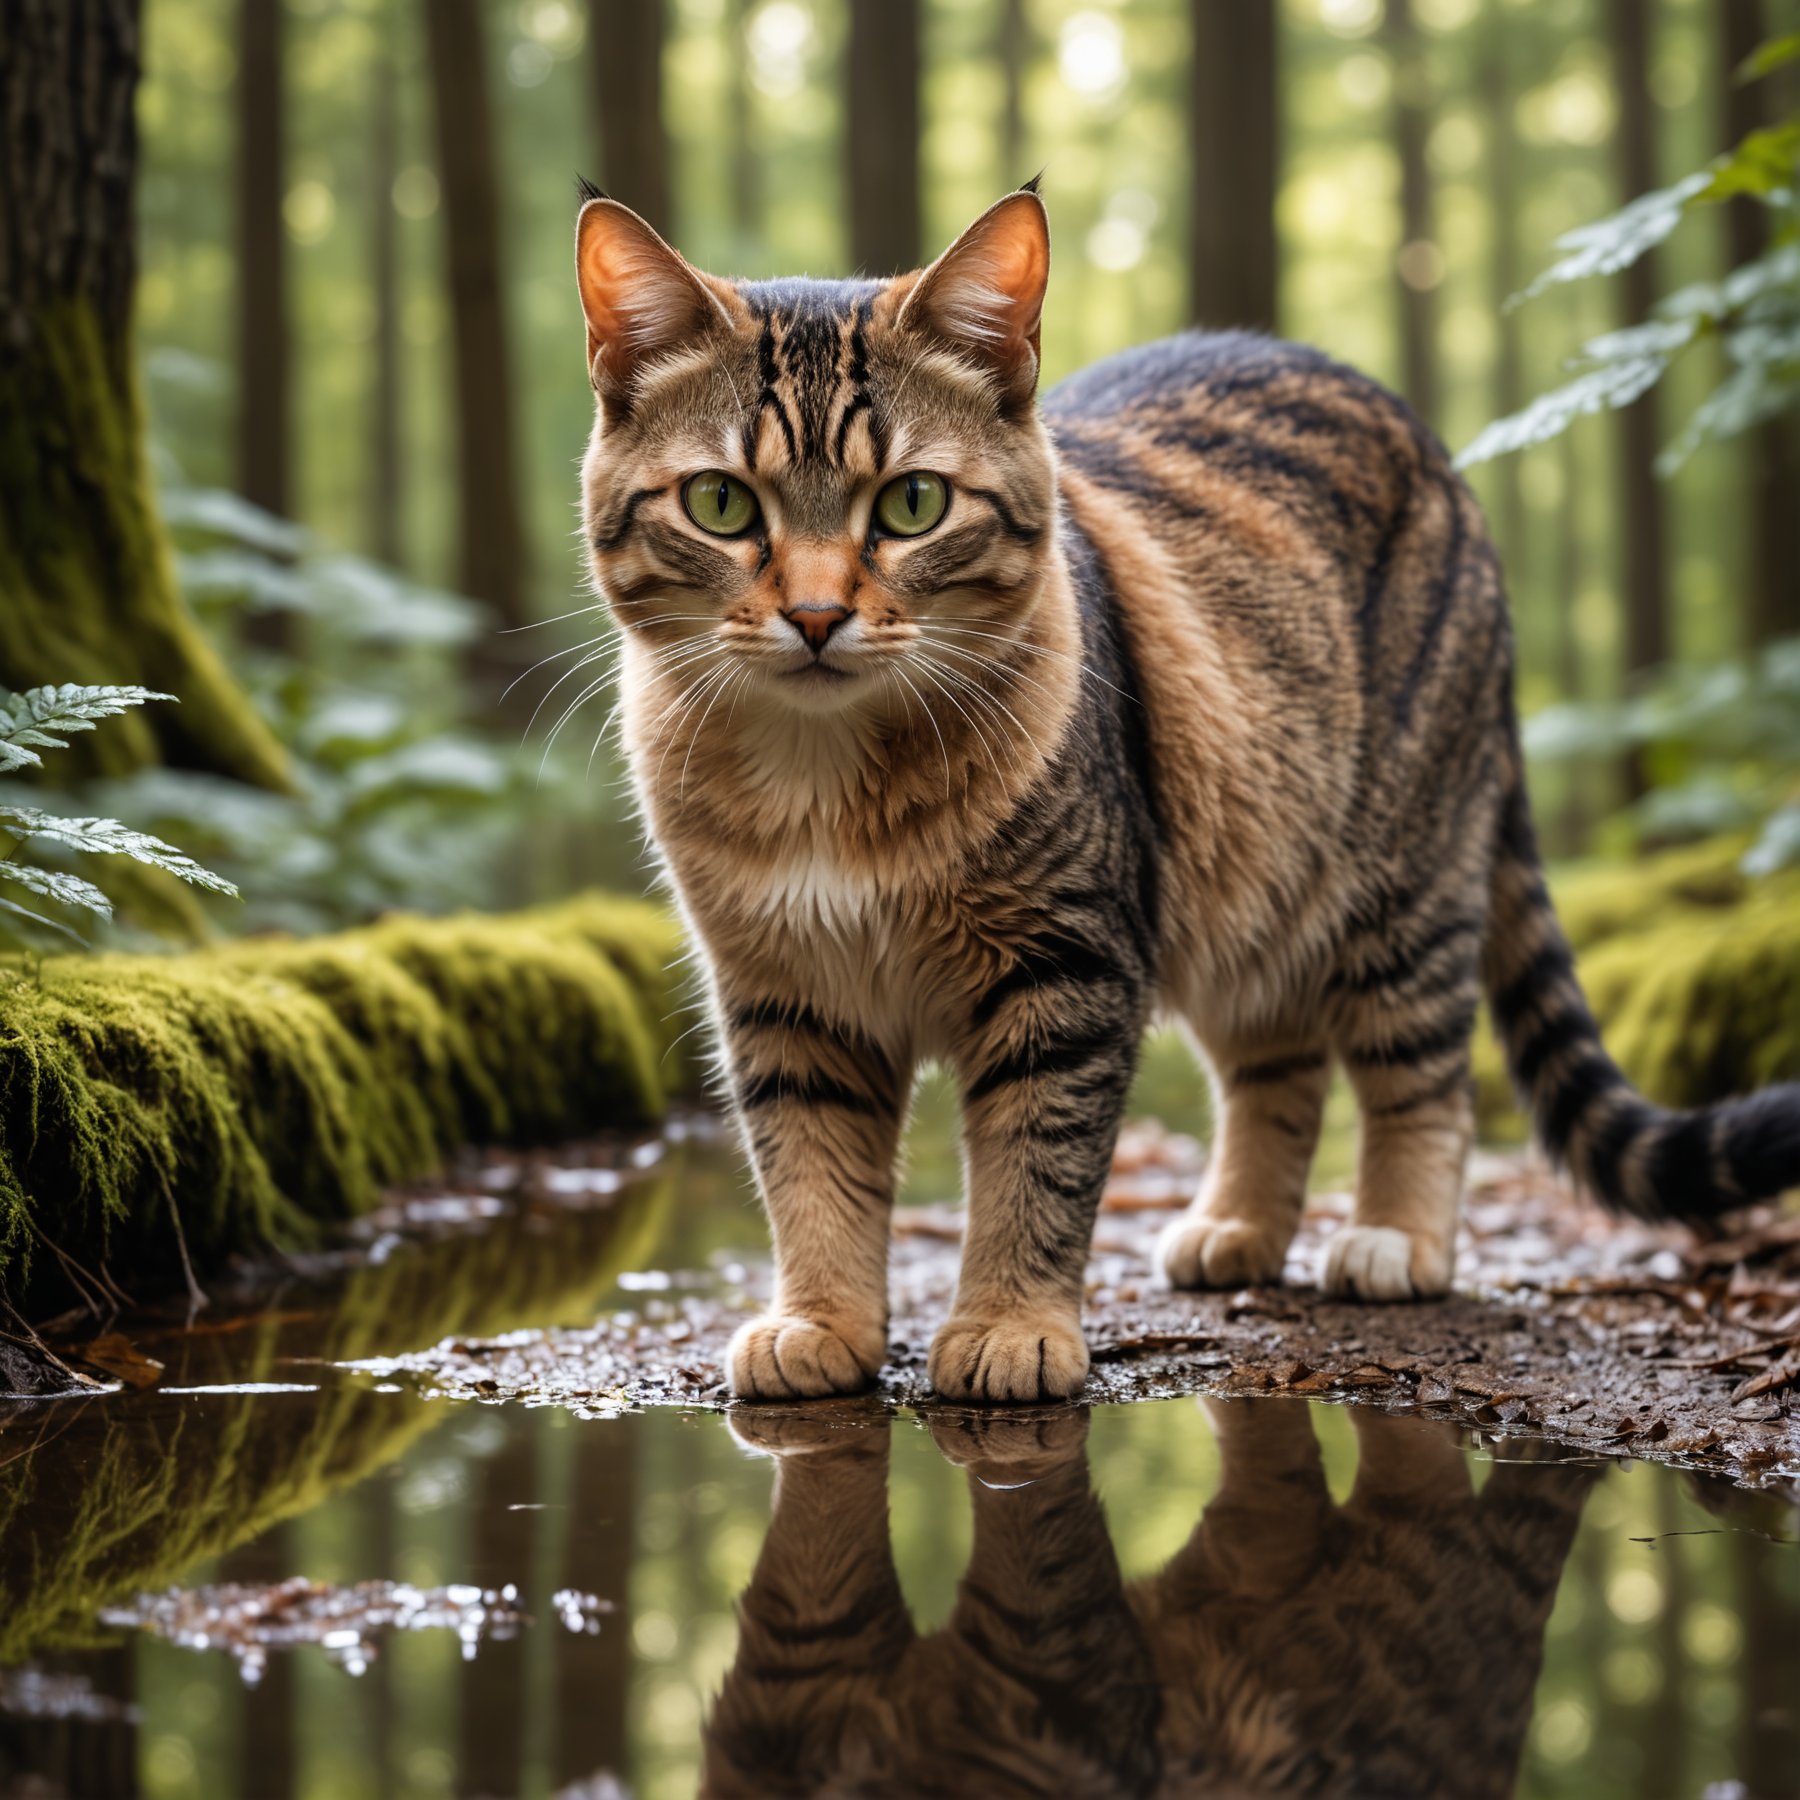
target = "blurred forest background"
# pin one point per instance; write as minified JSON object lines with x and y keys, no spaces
{"x":359,"y":338}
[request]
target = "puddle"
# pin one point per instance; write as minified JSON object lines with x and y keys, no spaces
{"x":1175,"y":1597}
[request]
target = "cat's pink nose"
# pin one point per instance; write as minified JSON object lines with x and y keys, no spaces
{"x":816,"y":620}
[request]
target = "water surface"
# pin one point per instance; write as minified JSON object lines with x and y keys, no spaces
{"x":1268,"y":1596}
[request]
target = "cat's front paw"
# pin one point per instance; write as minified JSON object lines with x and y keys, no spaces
{"x":781,"y":1357}
{"x":1017,"y":1360}
{"x":1196,"y":1251}
{"x":1382,"y":1262}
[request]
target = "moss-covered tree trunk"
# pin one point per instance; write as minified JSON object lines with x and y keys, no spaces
{"x":87,"y":591}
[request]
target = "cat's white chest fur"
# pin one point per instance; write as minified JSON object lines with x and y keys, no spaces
{"x":814,"y":893}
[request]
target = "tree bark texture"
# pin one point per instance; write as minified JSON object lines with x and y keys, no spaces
{"x":1233,"y":146}
{"x":1015,"y":57}
{"x":1416,"y":278}
{"x":882,"y":132}
{"x":1509,"y":380}
{"x":386,"y":497}
{"x":1644,"y":583}
{"x":627,"y":63}
{"x":746,"y":190}
{"x":491,"y":563}
{"x":1770,"y":464}
{"x":264,"y":411}
{"x":87,"y":591}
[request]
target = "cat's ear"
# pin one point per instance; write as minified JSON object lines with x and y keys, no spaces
{"x":640,"y":298}
{"x":985,"y":295}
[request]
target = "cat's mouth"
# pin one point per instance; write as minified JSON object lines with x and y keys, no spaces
{"x":816,"y":674}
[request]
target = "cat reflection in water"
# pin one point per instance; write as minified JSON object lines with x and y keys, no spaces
{"x":1388,"y":1645}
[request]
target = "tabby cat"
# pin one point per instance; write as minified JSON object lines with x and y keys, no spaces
{"x":971,"y":731}
{"x":1386,"y":1646}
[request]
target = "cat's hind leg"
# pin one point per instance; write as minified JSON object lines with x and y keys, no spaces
{"x":1268,"y":1099}
{"x":1403,"y":1035}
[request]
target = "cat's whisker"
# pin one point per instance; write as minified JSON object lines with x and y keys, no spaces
{"x":568,"y":674}
{"x":555,"y":619}
{"x":980,"y":735}
{"x":694,"y":697}
{"x":992,"y":662}
{"x":554,"y":656}
{"x":587,"y":693}
{"x":1036,"y":650}
{"x":730,"y":681}
{"x":593,"y":687}
{"x":924,"y":707}
{"x":980,"y":696}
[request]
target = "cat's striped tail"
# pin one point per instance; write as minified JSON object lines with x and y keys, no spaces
{"x":1635,"y":1157}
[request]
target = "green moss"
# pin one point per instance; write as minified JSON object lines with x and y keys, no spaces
{"x":267,"y":1086}
{"x":1693,"y":971}
{"x":87,"y":586}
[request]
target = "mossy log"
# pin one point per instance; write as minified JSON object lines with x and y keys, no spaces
{"x":1692,"y":969}
{"x":255,"y":1091}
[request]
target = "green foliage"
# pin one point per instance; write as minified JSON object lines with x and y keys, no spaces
{"x":42,"y":719}
{"x":395,"y":803}
{"x":269,"y":1085}
{"x":1754,"y":313}
{"x":1722,"y":746}
{"x":30,"y":722}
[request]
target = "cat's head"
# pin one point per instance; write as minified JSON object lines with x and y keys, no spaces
{"x":838,"y":489}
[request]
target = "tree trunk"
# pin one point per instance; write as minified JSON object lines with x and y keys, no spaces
{"x":385,"y":499}
{"x":1233,"y":147}
{"x":746,"y":197}
{"x":87,"y":592}
{"x":1015,"y":57}
{"x":883,"y":135}
{"x":262,"y":320}
{"x":746,"y":188}
{"x":1771,"y":470}
{"x":491,"y":564}
{"x":1642,"y":576}
{"x":1503,"y":197}
{"x":1418,"y":267}
{"x":634,"y":153}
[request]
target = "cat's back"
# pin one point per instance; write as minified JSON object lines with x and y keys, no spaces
{"x":1231,"y":435}
{"x":1305,"y":523}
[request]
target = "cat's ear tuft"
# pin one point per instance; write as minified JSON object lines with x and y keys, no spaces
{"x":640,"y":298}
{"x":985,"y":295}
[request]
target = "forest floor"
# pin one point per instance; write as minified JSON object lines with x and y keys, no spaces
{"x":1565,"y":1324}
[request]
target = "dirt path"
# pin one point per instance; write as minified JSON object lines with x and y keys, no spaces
{"x":1566,"y":1325}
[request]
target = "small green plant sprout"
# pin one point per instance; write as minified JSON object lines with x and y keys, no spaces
{"x":41,"y":719}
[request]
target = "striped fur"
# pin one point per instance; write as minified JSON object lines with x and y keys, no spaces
{"x":1198,"y":696}
{"x":1386,"y":1645}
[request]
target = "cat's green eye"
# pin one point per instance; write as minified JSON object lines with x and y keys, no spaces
{"x":719,"y":503}
{"x":911,"y":503}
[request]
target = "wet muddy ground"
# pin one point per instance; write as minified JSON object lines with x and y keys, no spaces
{"x":1565,"y":1324}
{"x":456,"y":1509}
